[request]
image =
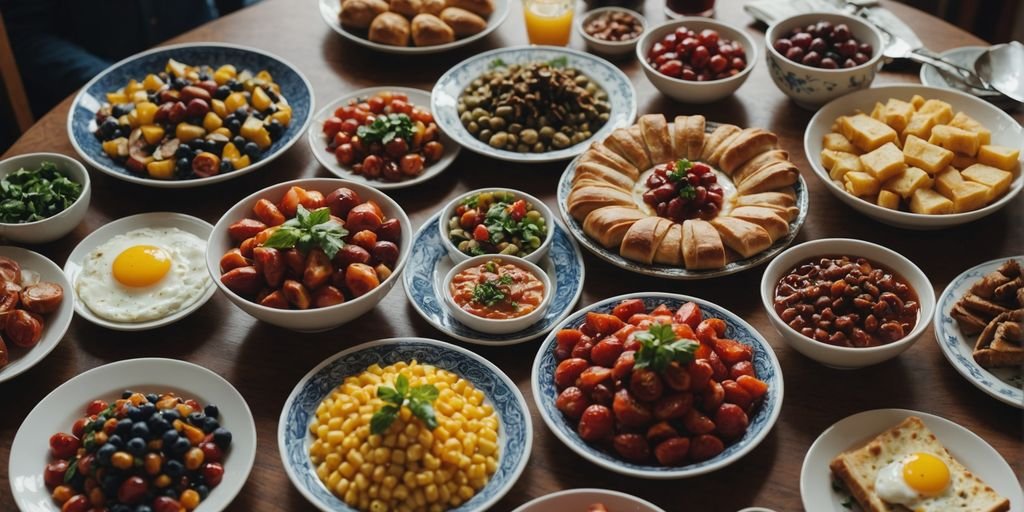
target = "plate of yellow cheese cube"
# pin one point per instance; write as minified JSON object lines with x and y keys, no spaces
{"x":917,"y":157}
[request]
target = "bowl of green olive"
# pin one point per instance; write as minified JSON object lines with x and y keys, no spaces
{"x":496,"y":221}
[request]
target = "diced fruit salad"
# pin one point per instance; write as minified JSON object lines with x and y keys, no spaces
{"x":497,"y":223}
{"x":190,"y":122}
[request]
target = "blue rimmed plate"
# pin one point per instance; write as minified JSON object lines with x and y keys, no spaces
{"x":82,"y":116}
{"x":445,"y":98}
{"x":761,"y":421}
{"x":515,"y":432}
{"x":429,"y":263}
{"x":1003,"y":384}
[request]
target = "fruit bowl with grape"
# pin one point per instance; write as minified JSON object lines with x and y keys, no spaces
{"x":683,"y":190}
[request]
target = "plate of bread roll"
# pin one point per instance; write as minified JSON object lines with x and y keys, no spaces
{"x":413,"y":26}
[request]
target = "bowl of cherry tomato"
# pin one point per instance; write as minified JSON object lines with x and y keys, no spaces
{"x":696,"y":60}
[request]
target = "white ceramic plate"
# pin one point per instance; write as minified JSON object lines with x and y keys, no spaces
{"x":55,"y":324}
{"x":577,"y":500}
{"x":973,"y":452}
{"x":318,"y":143}
{"x":1003,"y":384}
{"x":58,"y":410}
{"x":1005,"y":132}
{"x":329,"y":10}
{"x":73,"y":266}
{"x":445,"y":97}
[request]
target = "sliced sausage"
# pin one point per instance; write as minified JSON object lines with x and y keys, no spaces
{"x":42,"y":298}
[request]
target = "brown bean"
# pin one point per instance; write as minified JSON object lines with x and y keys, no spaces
{"x":246,"y":281}
{"x":672,"y":452}
{"x":696,"y":422}
{"x":891,"y":331}
{"x":871,"y":323}
{"x":838,"y":339}
{"x":632,"y":447}
{"x":327,"y":296}
{"x":788,"y":315}
{"x":629,"y":411}
{"x":341,"y":201}
{"x":704,"y":447}
{"x":572,"y":402}
{"x":42,"y":297}
{"x":661,"y":431}
{"x":297,"y":295}
{"x":602,"y":394}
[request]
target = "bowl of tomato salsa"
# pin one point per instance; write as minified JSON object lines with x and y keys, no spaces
{"x":497,"y":294}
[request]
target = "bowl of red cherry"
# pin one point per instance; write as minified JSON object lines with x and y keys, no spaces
{"x":817,"y":57}
{"x":696,"y":60}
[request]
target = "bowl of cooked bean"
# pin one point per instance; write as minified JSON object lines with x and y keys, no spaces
{"x":847,"y":303}
{"x":496,"y":221}
{"x":611,"y":31}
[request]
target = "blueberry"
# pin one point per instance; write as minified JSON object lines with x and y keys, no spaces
{"x":203,"y":491}
{"x":212,"y":411}
{"x":104,"y":453}
{"x":152,"y":398}
{"x":96,"y":425}
{"x":184,"y":163}
{"x":179,"y":447}
{"x":179,"y":83}
{"x":108,"y":128}
{"x":234,"y":125}
{"x":170,"y":415}
{"x":134,"y":413}
{"x":238,"y":141}
{"x":126,"y":394}
{"x":226,"y":166}
{"x":171,"y":493}
{"x":124,"y":427}
{"x":197,"y":151}
{"x":252,"y":150}
{"x":275,"y":129}
{"x":210,"y":424}
{"x":110,"y":485}
{"x":272,"y":95}
{"x":221,"y":92}
{"x":196,"y":418}
{"x":271,"y":109}
{"x":140,"y":430}
{"x":222,"y":438}
{"x":157,"y":424}
{"x":147,"y":410}
{"x":115,"y":440}
{"x":182,"y":152}
{"x":174,"y":468}
{"x":136,"y":446}
{"x":124,"y":131}
{"x":235,"y":85}
{"x":169,"y":437}
{"x":213,"y":147}
{"x":241,"y":112}
{"x":122,"y":109}
{"x":204,"y":76}
{"x":259,"y":115}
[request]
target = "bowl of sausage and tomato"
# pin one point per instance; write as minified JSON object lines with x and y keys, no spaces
{"x":309,"y":255}
{"x":497,"y":294}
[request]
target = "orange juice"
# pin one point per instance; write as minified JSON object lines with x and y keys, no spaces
{"x":548,"y":21}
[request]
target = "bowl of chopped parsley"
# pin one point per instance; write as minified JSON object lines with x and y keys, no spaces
{"x":43,"y":196}
{"x":496,"y":221}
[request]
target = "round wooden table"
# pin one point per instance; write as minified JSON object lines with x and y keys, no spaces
{"x":264,"y":362}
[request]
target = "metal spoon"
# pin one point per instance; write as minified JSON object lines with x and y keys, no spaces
{"x":1002,"y":66}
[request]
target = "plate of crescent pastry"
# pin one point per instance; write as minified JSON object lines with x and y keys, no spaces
{"x":684,"y":198}
{"x":413,"y":26}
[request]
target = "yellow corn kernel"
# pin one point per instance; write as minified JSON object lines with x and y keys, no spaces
{"x":161,"y":170}
{"x":145,"y":112}
{"x":115,"y":98}
{"x":234,"y":101}
{"x":347,"y":470}
{"x":152,"y":133}
{"x":186,"y":132}
{"x":212,"y":121}
{"x":152,"y":83}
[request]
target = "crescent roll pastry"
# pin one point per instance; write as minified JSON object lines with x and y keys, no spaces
{"x":767,"y":218}
{"x":748,"y":144}
{"x":585,"y":199}
{"x":746,"y":238}
{"x":608,"y":225}
{"x":759,"y":161}
{"x":769,"y":177}
{"x":603,"y":173}
{"x":624,"y":143}
{"x":643,"y":239}
{"x":702,"y":247}
{"x":670,"y":250}
{"x":716,"y":141}
{"x":654,"y":129}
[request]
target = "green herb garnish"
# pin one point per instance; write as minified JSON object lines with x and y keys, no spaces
{"x":384,"y":129}
{"x":659,"y":347}
{"x":491,"y":292}
{"x":559,"y":62}
{"x":497,"y":63}
{"x":72,"y":470}
{"x":687,"y":192}
{"x":502,"y":226}
{"x":30,"y":195}
{"x":419,"y":400}
{"x":679,"y":173}
{"x":309,"y":229}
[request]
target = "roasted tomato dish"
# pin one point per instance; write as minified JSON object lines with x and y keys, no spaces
{"x":308,"y":250}
{"x":656,"y":387}
{"x":24,"y":299}
{"x":497,"y":290}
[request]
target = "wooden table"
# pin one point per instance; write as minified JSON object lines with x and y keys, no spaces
{"x":264,"y":362}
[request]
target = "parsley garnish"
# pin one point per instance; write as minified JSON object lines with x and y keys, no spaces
{"x":309,"y":229}
{"x":384,"y":129}
{"x":29,"y":195}
{"x":501,"y":225}
{"x":419,"y":400}
{"x":497,"y":63}
{"x":687,"y":192}
{"x":679,"y":173}
{"x":559,"y":62}
{"x":659,"y":347}
{"x":491,"y":292}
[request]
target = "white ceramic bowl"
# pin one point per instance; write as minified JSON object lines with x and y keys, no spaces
{"x":309,"y":320}
{"x":1005,"y":132}
{"x":55,"y":324}
{"x":610,"y":48}
{"x":52,"y":228}
{"x":812,"y":87}
{"x":580,"y":499}
{"x":847,"y":357}
{"x":690,"y":91}
{"x":449,"y":211}
{"x":491,"y":325}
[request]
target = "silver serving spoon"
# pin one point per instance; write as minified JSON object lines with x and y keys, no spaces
{"x":1002,"y":66}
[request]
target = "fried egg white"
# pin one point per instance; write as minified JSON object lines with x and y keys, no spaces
{"x":144,"y":275}
{"x":913,"y":480}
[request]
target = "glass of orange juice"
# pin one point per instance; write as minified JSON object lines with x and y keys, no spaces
{"x":549,"y":22}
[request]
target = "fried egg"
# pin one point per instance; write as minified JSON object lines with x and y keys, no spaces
{"x":912,"y":479}
{"x":144,"y":275}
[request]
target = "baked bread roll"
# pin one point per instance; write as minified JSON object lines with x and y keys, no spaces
{"x":769,"y":177}
{"x":688,"y":137}
{"x":759,"y":161}
{"x":670,"y":250}
{"x":361,"y":13}
{"x":748,"y":144}
{"x":654,"y":129}
{"x":390,"y":28}
{"x":702,"y":247}
{"x":429,"y":30}
{"x":608,"y":225}
{"x":603,"y":173}
{"x":623,"y":142}
{"x":746,"y":238}
{"x":714,"y":147}
{"x":463,"y":22}
{"x":767,"y":218}
{"x":479,"y":7}
{"x":585,"y":199}
{"x":407,"y":8}
{"x":432,"y":7}
{"x":643,"y":239}
{"x":784,"y":203}
{"x":601,"y":154}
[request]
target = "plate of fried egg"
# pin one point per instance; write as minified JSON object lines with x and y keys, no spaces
{"x":141,"y":272}
{"x":897,"y":459}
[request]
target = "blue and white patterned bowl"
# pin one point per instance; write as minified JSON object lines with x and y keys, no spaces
{"x":761,"y":421}
{"x":515,"y":432}
{"x":429,"y":262}
{"x":82,"y":116}
{"x":1003,"y":384}
{"x":445,"y":98}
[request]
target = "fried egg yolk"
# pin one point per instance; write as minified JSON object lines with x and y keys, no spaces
{"x":141,"y":265}
{"x":926,"y":473}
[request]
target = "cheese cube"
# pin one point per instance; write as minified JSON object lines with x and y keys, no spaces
{"x":920,"y":125}
{"x":955,"y":139}
{"x":847,"y":162}
{"x":1000,"y":157}
{"x":890,"y":200}
{"x":861,"y":183}
{"x":930,"y":202}
{"x":836,"y":142}
{"x":897,"y":114}
{"x":866,"y":133}
{"x":946,"y":180}
{"x":940,"y":110}
{"x":998,"y":180}
{"x":962,"y":161}
{"x":928,"y":157}
{"x":907,"y":181}
{"x":966,"y":122}
{"x":969,"y":196}
{"x":829,"y":157}
{"x":878,"y":112}
{"x":884,"y":162}
{"x":917,"y":100}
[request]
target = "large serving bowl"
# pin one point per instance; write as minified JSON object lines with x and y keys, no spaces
{"x":812,"y":87}
{"x":449,"y":211}
{"x":847,"y":357}
{"x":309,"y":320}
{"x":761,"y":421}
{"x":82,"y":117}
{"x":51,"y":228}
{"x":515,"y":432}
{"x":691,"y":91}
{"x":1005,"y":132}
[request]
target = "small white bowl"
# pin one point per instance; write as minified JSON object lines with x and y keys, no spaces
{"x":449,"y":211}
{"x":51,"y":228}
{"x":491,"y":325}
{"x":812,"y":87}
{"x":847,"y":357}
{"x":580,"y":499}
{"x":309,"y":320}
{"x":610,"y":48}
{"x":692,"y":91}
